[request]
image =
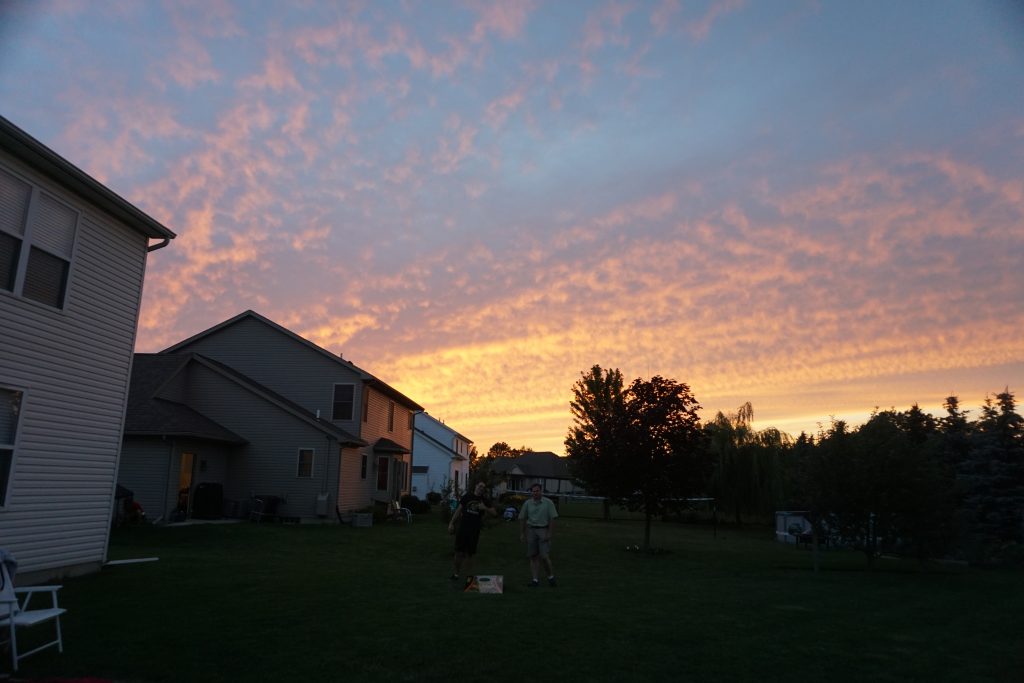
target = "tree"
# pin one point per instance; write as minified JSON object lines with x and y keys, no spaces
{"x":992,"y":476}
{"x":747,"y":474}
{"x":884,"y":485}
{"x":640,"y":447}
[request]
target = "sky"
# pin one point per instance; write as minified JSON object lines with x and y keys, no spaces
{"x":817,"y":207}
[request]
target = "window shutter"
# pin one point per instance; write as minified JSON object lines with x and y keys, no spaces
{"x":14,"y":198}
{"x":54,"y":227}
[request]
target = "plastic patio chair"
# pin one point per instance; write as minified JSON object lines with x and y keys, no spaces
{"x":15,"y":611}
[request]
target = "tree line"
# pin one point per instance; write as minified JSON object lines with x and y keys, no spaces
{"x":904,"y":482}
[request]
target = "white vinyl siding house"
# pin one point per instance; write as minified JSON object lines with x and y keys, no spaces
{"x":72,"y":261}
{"x":441,"y":456}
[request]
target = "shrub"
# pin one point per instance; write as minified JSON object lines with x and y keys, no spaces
{"x":415,"y":505}
{"x":433,"y":497}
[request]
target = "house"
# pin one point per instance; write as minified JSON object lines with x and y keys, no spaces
{"x":544,"y":468}
{"x":441,"y":456}
{"x":299,"y":423}
{"x":184,"y":455}
{"x":72,"y":261}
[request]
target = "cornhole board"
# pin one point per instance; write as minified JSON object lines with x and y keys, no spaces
{"x":486,"y":583}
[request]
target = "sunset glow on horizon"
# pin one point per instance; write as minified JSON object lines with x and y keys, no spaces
{"x":817,"y":207}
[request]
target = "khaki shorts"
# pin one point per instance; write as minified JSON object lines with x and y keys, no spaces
{"x":538,"y":542}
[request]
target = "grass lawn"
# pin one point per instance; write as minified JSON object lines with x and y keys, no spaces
{"x":246,"y":602}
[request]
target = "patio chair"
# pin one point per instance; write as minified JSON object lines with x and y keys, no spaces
{"x":264,"y":507}
{"x":396,"y":511}
{"x":15,"y":612}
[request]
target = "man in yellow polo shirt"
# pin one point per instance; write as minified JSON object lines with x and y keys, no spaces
{"x":537,"y":519}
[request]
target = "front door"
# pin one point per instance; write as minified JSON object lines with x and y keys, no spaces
{"x":188,"y":461}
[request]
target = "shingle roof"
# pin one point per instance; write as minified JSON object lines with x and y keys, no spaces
{"x":542,"y":464}
{"x":150,"y":415}
{"x":368,"y":378}
{"x":45,"y":160}
{"x":385,"y":445}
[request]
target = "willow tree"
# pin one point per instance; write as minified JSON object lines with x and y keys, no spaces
{"x":747,"y":477}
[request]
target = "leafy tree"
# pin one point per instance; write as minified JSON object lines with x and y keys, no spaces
{"x":641,"y":447}
{"x":883,"y":485}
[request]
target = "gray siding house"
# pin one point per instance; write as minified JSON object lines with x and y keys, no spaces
{"x":185,"y":457}
{"x":324,"y":435}
{"x":72,"y":261}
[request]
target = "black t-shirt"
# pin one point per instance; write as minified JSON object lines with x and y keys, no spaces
{"x":473,"y":511}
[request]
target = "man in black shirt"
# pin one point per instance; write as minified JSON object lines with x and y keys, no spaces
{"x":468,"y":519}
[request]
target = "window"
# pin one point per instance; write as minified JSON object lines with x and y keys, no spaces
{"x":366,"y":406}
{"x":304,"y":470}
{"x":362,"y":468}
{"x":382,"y":472}
{"x":344,"y":395}
{"x":10,"y":409}
{"x":37,"y":236}
{"x":391,"y":416}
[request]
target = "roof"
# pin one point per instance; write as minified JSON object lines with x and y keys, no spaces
{"x":454,"y":454}
{"x":150,"y":415}
{"x":385,"y":445}
{"x":367,"y":378}
{"x":49,"y":163}
{"x":427,"y":416}
{"x":541,"y":464}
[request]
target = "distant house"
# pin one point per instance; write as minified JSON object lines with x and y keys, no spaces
{"x":72,"y":261}
{"x":312,"y":429}
{"x":441,"y":455}
{"x":544,"y":468}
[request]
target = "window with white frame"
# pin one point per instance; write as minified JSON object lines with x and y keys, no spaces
{"x":37,"y":237}
{"x":304,"y":469}
{"x":344,"y":397}
{"x":10,"y":410}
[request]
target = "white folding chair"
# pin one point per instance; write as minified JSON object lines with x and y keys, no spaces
{"x":15,"y":612}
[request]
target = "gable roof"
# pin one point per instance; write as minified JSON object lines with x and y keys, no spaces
{"x":151,"y":416}
{"x":541,"y":464}
{"x":427,"y":416}
{"x":151,"y":372}
{"x":365,"y":376}
{"x":49,"y":163}
{"x":450,"y":451}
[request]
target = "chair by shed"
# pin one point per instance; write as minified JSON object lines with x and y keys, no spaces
{"x":16,"y":612}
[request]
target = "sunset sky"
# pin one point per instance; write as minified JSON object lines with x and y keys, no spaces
{"x":817,"y":207}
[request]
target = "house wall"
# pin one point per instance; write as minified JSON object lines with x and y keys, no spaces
{"x":437,"y":453}
{"x":282,"y":363}
{"x":376,"y":427}
{"x":73,"y":365}
{"x":353,"y":490}
{"x":268,"y":463}
{"x":146,"y":471}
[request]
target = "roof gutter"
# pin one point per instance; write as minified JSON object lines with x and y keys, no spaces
{"x":159,"y":245}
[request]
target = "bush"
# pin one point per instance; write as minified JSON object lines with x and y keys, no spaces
{"x":433,"y":497}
